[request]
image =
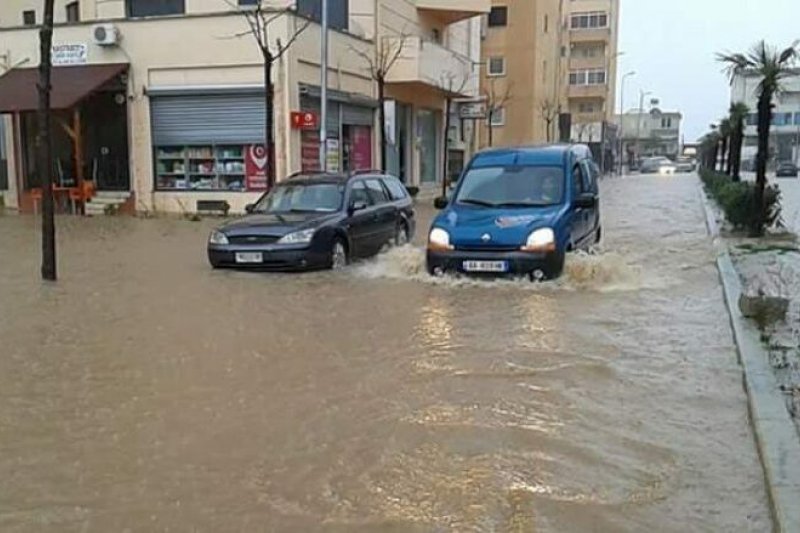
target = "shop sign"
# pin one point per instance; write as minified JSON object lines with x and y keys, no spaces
{"x":472,"y":110}
{"x":255,"y":167}
{"x":304,"y":120}
{"x":332,"y":155}
{"x":70,"y":54}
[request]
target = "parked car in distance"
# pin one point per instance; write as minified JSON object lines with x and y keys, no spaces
{"x":786,"y":169}
{"x":517,"y":211}
{"x":658,"y":165}
{"x":316,"y":221}
{"x":685,"y":164}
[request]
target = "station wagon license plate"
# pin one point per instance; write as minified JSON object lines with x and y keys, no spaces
{"x":249,"y":257}
{"x":485,"y":266}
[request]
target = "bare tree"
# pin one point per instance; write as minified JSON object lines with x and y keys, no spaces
{"x":495,"y":103}
{"x":259,"y":17}
{"x":378,"y":65}
{"x":452,"y":84}
{"x":44,"y":144}
{"x":549,"y":113}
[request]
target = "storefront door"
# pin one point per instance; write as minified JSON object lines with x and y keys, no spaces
{"x":428,"y":145}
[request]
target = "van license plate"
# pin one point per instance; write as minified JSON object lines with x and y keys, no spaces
{"x":485,"y":266}
{"x":249,"y":257}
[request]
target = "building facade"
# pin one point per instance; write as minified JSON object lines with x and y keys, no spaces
{"x":650,"y":133}
{"x":169,"y":96}
{"x":785,"y":129}
{"x":549,"y":70}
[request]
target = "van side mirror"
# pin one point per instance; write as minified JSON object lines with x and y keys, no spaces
{"x":586,"y":200}
{"x":249,"y":208}
{"x":440,"y":202}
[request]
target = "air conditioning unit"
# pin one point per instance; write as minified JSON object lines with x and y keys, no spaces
{"x":105,"y":34}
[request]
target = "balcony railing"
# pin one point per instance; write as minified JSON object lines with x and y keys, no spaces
{"x":590,"y":35}
{"x":588,"y":91}
{"x":431,"y":64}
{"x":449,"y":11}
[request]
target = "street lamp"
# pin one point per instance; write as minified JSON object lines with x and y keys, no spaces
{"x":642,"y":94}
{"x":622,"y":118}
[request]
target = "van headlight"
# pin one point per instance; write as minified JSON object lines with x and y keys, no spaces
{"x":217,"y":237}
{"x":541,"y":240}
{"x":298,"y":237}
{"x":439,"y":239}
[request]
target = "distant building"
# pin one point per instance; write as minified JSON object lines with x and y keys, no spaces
{"x":785,"y":131}
{"x":650,"y":133}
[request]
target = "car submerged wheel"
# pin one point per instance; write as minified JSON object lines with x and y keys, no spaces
{"x":339,"y":257}
{"x":401,"y":235}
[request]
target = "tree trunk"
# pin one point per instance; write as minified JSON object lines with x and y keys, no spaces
{"x":447,"y":108}
{"x":714,"y":157}
{"x":490,"y":130}
{"x":723,"y":152}
{"x":382,"y":120}
{"x":764,"y":119}
{"x":736,"y":150}
{"x":44,"y":145}
{"x":269,"y":120}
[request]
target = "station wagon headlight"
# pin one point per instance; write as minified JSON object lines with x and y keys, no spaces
{"x":298,"y":237}
{"x":217,"y":237}
{"x":439,"y":239}
{"x":541,"y":240}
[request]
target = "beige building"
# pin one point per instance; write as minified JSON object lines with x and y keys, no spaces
{"x":169,"y":95}
{"x":549,"y":70}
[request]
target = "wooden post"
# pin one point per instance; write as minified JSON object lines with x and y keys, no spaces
{"x":77,"y":146}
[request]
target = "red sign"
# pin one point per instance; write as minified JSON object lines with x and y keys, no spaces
{"x":255,"y":167}
{"x":304,"y":120}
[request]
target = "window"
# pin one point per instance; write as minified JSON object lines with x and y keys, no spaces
{"x":338,"y":12}
{"x":498,"y":117}
{"x":248,"y":2}
{"x":202,"y":168}
{"x":581,"y":21}
{"x":73,"y":12}
{"x":396,"y":189}
{"x":587,"y":77}
{"x":514,"y":185}
{"x":597,"y":77}
{"x":546,"y":23}
{"x":586,"y":107}
{"x":377,"y":192}
{"x":752,"y":119}
{"x":797,"y":119}
{"x":436,"y":35}
{"x":29,"y":17}
{"x":154,"y":8}
{"x":666,"y":123}
{"x":498,"y":17}
{"x":577,"y":179}
{"x":359,"y":194}
{"x":293,"y":197}
{"x":782,"y":119}
{"x":497,"y":66}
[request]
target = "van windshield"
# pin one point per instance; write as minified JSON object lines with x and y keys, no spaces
{"x":512,"y":186}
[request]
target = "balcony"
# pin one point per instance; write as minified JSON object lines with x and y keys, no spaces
{"x":587,"y":63}
{"x":588,"y":91}
{"x":590,"y":35}
{"x":450,"y":11}
{"x":426,"y":63}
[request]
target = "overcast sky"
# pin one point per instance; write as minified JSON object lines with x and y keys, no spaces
{"x":671,"y":45}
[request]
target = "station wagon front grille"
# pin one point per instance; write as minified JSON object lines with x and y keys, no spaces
{"x":487,"y":248}
{"x":253,"y":239}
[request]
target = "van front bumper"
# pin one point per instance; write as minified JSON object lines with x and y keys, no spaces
{"x":516,"y":262}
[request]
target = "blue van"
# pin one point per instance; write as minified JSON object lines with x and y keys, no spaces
{"x":517,"y":211}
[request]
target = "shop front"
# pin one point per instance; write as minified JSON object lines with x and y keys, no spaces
{"x":90,"y":133}
{"x":208,"y":140}
{"x":349,"y":129}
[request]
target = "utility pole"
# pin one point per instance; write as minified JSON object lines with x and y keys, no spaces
{"x":44,"y":145}
{"x":323,"y":127}
{"x":642,"y":94}
{"x":622,"y":120}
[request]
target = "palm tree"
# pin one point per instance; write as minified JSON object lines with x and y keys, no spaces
{"x":772,"y":66}
{"x":738,"y":113}
{"x":725,"y":135}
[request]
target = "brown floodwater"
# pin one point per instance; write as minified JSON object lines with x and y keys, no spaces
{"x":146,"y":392}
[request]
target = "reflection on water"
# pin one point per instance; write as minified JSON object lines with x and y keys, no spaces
{"x":147,"y":392}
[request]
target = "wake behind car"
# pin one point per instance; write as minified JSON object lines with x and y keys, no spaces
{"x":518,"y":211}
{"x":316,"y":222}
{"x":786,"y":169}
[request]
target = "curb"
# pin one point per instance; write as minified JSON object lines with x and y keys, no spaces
{"x":776,"y":437}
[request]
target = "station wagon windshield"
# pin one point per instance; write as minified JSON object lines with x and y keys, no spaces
{"x":303,"y":198}
{"x":512,"y":186}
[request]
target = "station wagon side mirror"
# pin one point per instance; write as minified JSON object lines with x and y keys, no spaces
{"x":585,"y":201}
{"x":249,"y":208}
{"x":440,"y":202}
{"x":357,"y":206}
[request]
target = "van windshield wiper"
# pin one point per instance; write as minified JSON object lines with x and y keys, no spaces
{"x":473,"y":201}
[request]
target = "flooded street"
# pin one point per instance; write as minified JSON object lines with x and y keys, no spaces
{"x":147,"y":392}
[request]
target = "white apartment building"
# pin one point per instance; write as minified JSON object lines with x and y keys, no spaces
{"x":168,"y":95}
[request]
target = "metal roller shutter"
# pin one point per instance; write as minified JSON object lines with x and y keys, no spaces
{"x":207,"y":119}
{"x":357,"y":115}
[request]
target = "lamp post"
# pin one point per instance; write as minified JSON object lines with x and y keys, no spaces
{"x":642,"y":94}
{"x":622,"y":119}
